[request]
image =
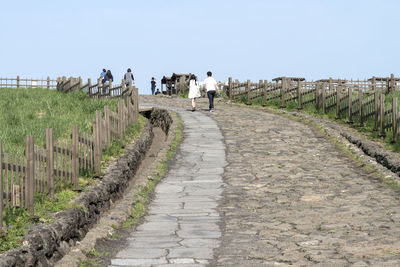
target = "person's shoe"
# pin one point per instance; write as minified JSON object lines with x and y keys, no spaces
{"x":193,"y":109}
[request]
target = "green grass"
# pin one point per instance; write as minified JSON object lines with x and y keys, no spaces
{"x":33,"y":110}
{"x":30,"y":111}
{"x":91,"y":257}
{"x":17,"y":220}
{"x":117,"y":147}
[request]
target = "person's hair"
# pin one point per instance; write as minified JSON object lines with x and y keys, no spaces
{"x":193,"y":77}
{"x":104,"y":70}
{"x":129,"y":70}
{"x":109,"y":71}
{"x":152,"y":78}
{"x":209,"y":74}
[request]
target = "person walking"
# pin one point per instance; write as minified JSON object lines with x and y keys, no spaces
{"x":128,"y":77}
{"x":194,"y":90}
{"x":211,"y":86}
{"x":153,"y":85}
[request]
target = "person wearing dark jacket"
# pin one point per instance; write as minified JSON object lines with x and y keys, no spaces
{"x":153,"y":85}
{"x":108,"y":77}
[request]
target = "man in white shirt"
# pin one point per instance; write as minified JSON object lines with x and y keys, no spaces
{"x":211,"y":86}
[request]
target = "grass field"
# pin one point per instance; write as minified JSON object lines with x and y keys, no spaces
{"x":30,"y":111}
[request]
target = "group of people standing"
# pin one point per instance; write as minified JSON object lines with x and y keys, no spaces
{"x":107,"y":76}
{"x":210,"y":85}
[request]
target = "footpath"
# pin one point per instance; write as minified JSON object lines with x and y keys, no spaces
{"x":252,"y":188}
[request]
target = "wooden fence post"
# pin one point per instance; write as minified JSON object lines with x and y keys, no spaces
{"x":136,"y":104}
{"x":109,"y":88}
{"x":299,"y":95}
{"x":265,"y":88}
{"x":99,"y":87}
{"x":182,"y":84}
{"x":323,"y":97}
{"x":123,"y":117}
{"x":89,"y":83}
{"x":58,"y":83}
{"x":361,"y":109}
{"x":50,"y":161}
{"x":382,"y":115}
{"x":119,"y":115}
{"x":350,"y":92}
{"x":248,"y":92}
{"x":317,"y":95}
{"x":394,"y":117}
{"x":30,"y":174}
{"x":1,"y":187}
{"x":392,"y":83}
{"x":97,"y":143}
{"x":376,"y":104}
{"x":283,"y":91}
{"x":107,"y":119}
{"x":123,"y":87}
{"x":130,"y":104}
{"x":230,"y":89}
{"x":387,"y":85}
{"x":18,"y":81}
{"x":48,"y":82}
{"x":330,"y":85}
{"x":338,"y":89}
{"x":75,"y":159}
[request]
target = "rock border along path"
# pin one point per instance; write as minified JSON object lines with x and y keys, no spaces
{"x":182,"y":226}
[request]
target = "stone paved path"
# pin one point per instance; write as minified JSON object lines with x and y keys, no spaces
{"x":182,"y":226}
{"x":290,"y":198}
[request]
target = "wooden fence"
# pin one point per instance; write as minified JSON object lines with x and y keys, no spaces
{"x":28,"y":83}
{"x":97,"y":90}
{"x":356,"y":101}
{"x":61,"y":161}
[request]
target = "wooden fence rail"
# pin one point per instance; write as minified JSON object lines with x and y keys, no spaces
{"x":98,"y":90}
{"x":356,"y":101}
{"x":28,"y":83}
{"x":60,"y":161}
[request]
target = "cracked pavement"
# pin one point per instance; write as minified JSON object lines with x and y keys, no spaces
{"x":284,"y":197}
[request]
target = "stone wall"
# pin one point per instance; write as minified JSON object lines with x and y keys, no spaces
{"x":387,"y":158}
{"x":45,"y":244}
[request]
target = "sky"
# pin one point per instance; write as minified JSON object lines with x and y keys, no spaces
{"x":252,"y":39}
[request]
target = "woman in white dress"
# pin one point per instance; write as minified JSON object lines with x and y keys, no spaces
{"x":194,"y":90}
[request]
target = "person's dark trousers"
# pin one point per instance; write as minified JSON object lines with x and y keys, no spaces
{"x":152,"y":90}
{"x":211,"y":95}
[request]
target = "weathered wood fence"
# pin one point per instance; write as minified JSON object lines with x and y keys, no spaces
{"x":97,"y":90}
{"x":28,"y":83}
{"x":61,"y":161}
{"x":356,"y":101}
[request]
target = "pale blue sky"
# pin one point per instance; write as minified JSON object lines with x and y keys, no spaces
{"x":251,"y":39}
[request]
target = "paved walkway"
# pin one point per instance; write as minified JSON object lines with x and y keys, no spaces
{"x":182,"y":226}
{"x":290,"y":198}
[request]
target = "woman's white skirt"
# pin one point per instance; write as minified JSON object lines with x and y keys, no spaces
{"x":194,"y":93}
